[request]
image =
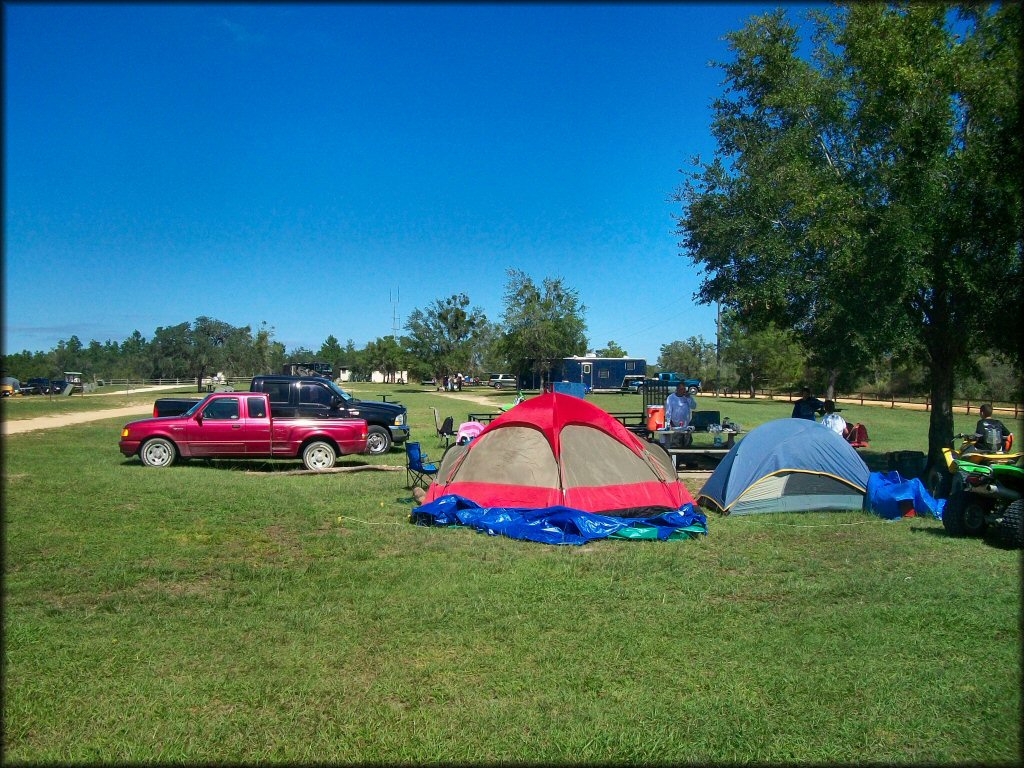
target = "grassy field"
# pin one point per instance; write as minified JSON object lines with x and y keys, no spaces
{"x":32,"y":406}
{"x":227,"y":612}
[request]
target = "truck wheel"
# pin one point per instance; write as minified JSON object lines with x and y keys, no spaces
{"x":964,"y":514}
{"x":158,"y":452}
{"x":1011,"y":527}
{"x":378,"y":441}
{"x":319,"y":455}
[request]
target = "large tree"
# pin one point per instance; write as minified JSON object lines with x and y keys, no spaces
{"x":443,"y":338}
{"x":868,"y":195}
{"x":541,"y":324}
{"x":612,"y":350}
{"x":694,"y":357}
{"x":761,"y":357}
{"x":331,"y":352}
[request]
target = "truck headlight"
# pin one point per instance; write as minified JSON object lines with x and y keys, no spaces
{"x":124,"y":432}
{"x":400,"y":420}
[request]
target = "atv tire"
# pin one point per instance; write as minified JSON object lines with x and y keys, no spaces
{"x":1011,"y":527}
{"x":964,"y":514}
{"x":939,"y":483}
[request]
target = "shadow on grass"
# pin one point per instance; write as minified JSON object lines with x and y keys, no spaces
{"x":991,"y":537}
{"x":258,"y":466}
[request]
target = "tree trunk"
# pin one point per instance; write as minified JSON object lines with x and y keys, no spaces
{"x":940,"y":423}
{"x":753,"y":392}
{"x":830,"y":387}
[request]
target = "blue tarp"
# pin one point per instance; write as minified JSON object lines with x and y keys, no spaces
{"x":569,"y":388}
{"x":558,"y":525}
{"x":886,"y":491}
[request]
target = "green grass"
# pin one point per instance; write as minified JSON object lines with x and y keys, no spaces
{"x":226,"y":612}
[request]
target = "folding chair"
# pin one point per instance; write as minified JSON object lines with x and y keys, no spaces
{"x":417,"y":470}
{"x":446,"y":429}
{"x":857,"y":436}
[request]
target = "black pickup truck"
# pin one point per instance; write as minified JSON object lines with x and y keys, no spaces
{"x":317,"y":397}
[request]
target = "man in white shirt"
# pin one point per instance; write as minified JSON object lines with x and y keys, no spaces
{"x":679,"y":407}
{"x":833,"y":420}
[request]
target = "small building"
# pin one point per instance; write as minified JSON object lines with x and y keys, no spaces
{"x":601,"y":374}
{"x":377,"y":377}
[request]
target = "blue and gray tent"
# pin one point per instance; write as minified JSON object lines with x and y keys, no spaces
{"x":787,"y":465}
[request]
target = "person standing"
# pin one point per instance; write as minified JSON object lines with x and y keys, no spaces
{"x":807,"y":406}
{"x":679,"y":408}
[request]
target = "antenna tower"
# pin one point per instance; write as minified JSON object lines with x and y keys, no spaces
{"x":395,"y":298}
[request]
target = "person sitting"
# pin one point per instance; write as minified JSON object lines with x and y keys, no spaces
{"x":807,"y":406}
{"x":993,"y":432}
{"x":833,"y":420}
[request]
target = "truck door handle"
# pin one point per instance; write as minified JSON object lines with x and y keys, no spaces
{"x":236,"y":426}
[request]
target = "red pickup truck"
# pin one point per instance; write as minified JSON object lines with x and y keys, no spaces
{"x":239,"y":425}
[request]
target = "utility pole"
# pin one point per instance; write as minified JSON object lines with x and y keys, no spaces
{"x":718,"y":343}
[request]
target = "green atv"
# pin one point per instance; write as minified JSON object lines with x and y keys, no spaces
{"x":983,"y":496}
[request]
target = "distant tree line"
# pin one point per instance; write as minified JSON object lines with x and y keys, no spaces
{"x":450,"y":336}
{"x":773,"y":358}
{"x":540,"y":325}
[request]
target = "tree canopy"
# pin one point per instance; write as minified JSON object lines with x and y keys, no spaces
{"x":867,"y":195}
{"x":443,"y":338}
{"x":541,"y":324}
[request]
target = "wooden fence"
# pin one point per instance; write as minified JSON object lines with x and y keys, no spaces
{"x":870,"y":398}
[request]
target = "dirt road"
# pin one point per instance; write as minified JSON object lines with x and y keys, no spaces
{"x":145,"y":409}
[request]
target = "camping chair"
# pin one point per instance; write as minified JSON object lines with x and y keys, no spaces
{"x":417,"y":469}
{"x":857,"y":435}
{"x":445,"y":429}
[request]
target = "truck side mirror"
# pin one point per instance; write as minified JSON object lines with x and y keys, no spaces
{"x":336,"y":401}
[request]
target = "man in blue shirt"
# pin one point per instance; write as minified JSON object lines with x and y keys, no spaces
{"x":807,"y":406}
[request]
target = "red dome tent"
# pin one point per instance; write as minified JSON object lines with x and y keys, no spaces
{"x":559,"y":450}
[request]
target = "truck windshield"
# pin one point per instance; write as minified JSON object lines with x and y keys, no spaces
{"x":196,"y":407}
{"x":340,"y":392}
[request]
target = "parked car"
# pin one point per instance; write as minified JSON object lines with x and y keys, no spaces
{"x":39,"y":386}
{"x":316,"y":397}
{"x":631,"y":383}
{"x":503,"y":381}
{"x":675,"y":379}
{"x":9,"y":386}
{"x":240,"y":425}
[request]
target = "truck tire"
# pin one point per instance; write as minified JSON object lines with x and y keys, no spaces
{"x":964,"y":514}
{"x":378,"y":441}
{"x":1011,"y":527}
{"x":319,"y":455}
{"x":158,"y":452}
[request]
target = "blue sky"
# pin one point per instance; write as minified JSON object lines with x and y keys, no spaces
{"x":310,"y":166}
